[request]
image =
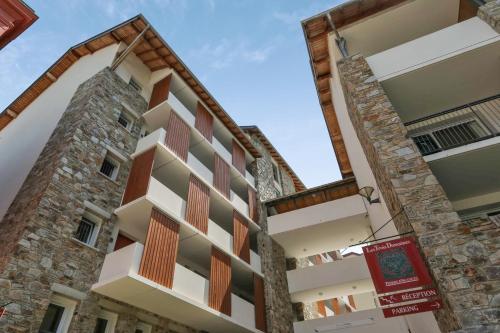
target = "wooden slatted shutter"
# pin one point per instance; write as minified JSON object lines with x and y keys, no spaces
{"x":259,"y":303}
{"x":122,"y":241}
{"x":204,"y":122}
{"x":177,"y":138}
{"x":160,"y":250}
{"x":252,"y":205}
{"x":239,"y":157}
{"x":241,"y":237}
{"x":160,"y":92}
{"x":222,"y":175}
{"x":351,"y":301}
{"x":219,"y":295}
{"x":198,"y":204}
{"x":336,"y":306}
{"x":138,"y":178}
{"x":321,"y":308}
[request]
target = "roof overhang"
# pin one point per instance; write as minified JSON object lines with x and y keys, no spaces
{"x":153,"y":51}
{"x":15,"y":18}
{"x":299,"y":185}
{"x":316,"y":30}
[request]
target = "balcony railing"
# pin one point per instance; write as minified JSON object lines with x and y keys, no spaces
{"x":457,"y":127}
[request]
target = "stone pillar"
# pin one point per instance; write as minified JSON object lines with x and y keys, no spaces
{"x":457,"y":257}
{"x":490,"y":13}
{"x":38,"y":249}
{"x":279,"y":312}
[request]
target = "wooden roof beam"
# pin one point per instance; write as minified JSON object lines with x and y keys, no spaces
{"x":119,"y":59}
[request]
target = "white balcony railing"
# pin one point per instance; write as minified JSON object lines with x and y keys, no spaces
{"x":240,"y":204}
{"x":200,"y":169}
{"x":180,"y":109}
{"x":189,"y":289}
{"x":220,"y":236}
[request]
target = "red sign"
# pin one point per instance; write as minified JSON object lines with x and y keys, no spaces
{"x":412,"y":308}
{"x":2,"y":311}
{"x":396,"y":265}
{"x":408,"y":296}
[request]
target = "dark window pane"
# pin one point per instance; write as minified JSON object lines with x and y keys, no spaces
{"x":52,"y":319}
{"x":426,"y":144}
{"x":138,"y":330}
{"x":85,"y":230}
{"x":100,"y":327}
{"x":122,"y":120}
{"x":107,"y":168}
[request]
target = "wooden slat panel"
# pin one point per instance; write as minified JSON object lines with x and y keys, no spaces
{"x":160,"y":92}
{"x":252,"y":205}
{"x":122,"y":241}
{"x":204,"y":122}
{"x":222,"y":175}
{"x":259,"y":303}
{"x":198,"y":204}
{"x":239,"y":157}
{"x":138,"y":178}
{"x":241,"y":237}
{"x":351,"y":301}
{"x":177,"y":138}
{"x":321,"y":308}
{"x":336,"y":306}
{"x":219,"y":295}
{"x":160,"y":250}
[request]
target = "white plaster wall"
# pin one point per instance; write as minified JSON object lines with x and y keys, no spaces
{"x":437,"y":46}
{"x":22,"y":141}
{"x":355,"y":322}
{"x":378,"y":213}
{"x":330,"y":211}
{"x":133,"y":66}
{"x":242,"y":311}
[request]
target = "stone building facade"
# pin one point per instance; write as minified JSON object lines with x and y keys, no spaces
{"x":41,"y":256}
{"x":462,"y":256}
{"x":280,"y":315}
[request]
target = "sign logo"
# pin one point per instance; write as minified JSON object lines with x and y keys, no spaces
{"x":396,"y":265}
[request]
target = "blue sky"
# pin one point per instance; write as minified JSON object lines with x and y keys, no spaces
{"x":251,"y":55}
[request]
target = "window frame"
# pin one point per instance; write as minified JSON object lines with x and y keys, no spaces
{"x":114,"y":161}
{"x":69,"y":306}
{"x":128,"y":118}
{"x":95,"y":232}
{"x":134,"y":83}
{"x":144,"y":327}
{"x":112,"y":319}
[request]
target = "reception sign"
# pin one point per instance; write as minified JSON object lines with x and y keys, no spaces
{"x":408,"y":296}
{"x":396,"y":265}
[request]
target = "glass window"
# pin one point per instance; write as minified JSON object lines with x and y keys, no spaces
{"x":85,"y":231}
{"x":52,"y":319}
{"x":101,"y":325}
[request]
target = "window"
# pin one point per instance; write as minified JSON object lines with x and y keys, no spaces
{"x":109,"y":167}
{"x":276,"y":173}
{"x":85,"y":231}
{"x":426,"y":144}
{"x":106,"y":322}
{"x":143,"y":328}
{"x":134,"y":84}
{"x":58,"y":315}
{"x":125,"y":120}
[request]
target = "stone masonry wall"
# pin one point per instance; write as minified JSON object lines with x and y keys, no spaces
{"x":490,"y":13}
{"x":460,"y":258}
{"x":38,"y":251}
{"x":279,"y":312}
